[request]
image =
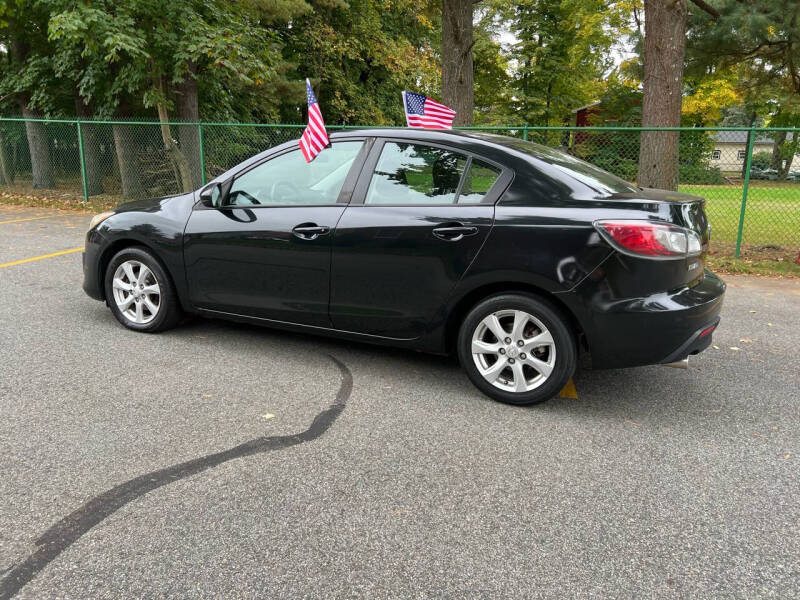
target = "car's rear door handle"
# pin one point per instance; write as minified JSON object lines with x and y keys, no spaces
{"x":310,"y":231}
{"x":455,"y":232}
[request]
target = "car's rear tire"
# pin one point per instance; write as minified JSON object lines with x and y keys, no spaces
{"x":517,"y":348}
{"x":140,"y":292}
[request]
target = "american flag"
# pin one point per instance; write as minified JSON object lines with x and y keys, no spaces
{"x":427,"y":113}
{"x":314,"y":138}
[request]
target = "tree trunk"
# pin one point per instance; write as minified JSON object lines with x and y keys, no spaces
{"x":457,"y":78}
{"x":184,"y":174}
{"x":125,"y":146}
{"x":39,"y":145}
{"x":747,"y":143}
{"x":91,"y":149}
{"x":664,"y":49}
{"x":189,"y":135}
{"x":789,"y":153}
{"x":777,"y":151}
{"x":6,"y":166}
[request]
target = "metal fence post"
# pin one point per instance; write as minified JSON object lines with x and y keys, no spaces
{"x":202,"y":154}
{"x":749,"y":161}
{"x":83,"y":163}
{"x":525,"y":132}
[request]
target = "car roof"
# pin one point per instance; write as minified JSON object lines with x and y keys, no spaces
{"x":491,"y":146}
{"x":432,"y":135}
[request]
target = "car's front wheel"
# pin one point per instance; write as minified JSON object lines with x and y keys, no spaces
{"x":517,"y":348}
{"x":140,"y":292}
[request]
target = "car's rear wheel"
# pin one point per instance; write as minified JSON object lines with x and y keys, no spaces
{"x":517,"y":348}
{"x":139,"y":291}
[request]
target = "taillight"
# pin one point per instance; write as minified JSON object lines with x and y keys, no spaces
{"x":650,"y":239}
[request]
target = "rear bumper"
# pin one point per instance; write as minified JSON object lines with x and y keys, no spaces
{"x":697,"y":342}
{"x":660,"y":328}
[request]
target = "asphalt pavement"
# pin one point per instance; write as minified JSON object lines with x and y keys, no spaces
{"x":220,"y":460}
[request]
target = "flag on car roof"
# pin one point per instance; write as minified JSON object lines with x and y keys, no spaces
{"x":426,"y":113}
{"x":314,"y":138}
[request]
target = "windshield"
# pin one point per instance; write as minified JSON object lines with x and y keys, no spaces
{"x":586,"y":173}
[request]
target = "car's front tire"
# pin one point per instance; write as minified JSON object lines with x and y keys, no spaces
{"x":517,"y":348}
{"x":140,"y":292}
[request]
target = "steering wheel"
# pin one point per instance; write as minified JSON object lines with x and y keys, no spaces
{"x":282,"y":191}
{"x":235,"y":196}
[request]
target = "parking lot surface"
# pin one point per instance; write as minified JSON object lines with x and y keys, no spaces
{"x":223,"y":460}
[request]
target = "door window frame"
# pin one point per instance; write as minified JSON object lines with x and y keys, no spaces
{"x":494,"y":193}
{"x":345,"y":193}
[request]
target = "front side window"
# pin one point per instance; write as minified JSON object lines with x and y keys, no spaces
{"x":289,"y":179}
{"x":415,"y":174}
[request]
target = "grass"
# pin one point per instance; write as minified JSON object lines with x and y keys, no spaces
{"x":772,"y":215}
{"x":746,"y":266}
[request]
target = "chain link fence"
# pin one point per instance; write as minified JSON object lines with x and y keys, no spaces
{"x":749,"y":177}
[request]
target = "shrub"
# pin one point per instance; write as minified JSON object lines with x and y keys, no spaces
{"x":762,"y":160}
{"x":700,"y":174}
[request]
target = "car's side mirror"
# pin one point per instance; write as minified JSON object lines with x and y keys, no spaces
{"x":211,"y":196}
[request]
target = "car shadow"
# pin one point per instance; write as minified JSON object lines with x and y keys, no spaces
{"x":620,"y":394}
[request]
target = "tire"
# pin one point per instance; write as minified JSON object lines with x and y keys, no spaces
{"x":533,"y":325}
{"x":124,"y":298}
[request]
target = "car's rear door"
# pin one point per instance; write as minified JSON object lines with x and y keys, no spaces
{"x":418,"y":217}
{"x":266,"y":252}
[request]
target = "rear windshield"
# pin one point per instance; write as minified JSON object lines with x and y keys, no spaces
{"x":586,"y":173}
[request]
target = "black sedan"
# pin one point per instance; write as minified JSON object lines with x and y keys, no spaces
{"x":512,"y":255}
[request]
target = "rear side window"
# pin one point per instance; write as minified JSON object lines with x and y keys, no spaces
{"x":415,"y":174}
{"x":420,"y":174}
{"x":478,"y":181}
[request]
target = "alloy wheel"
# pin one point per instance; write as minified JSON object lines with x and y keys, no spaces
{"x":136,"y":292}
{"x":513,"y":350}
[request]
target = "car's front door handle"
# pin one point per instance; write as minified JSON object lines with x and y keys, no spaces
{"x":455,"y":232}
{"x":310,"y":231}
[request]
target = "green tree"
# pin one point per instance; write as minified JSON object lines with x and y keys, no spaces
{"x":28,"y":78}
{"x":360,"y":55}
{"x":760,"y":39}
{"x":562,"y":53}
{"x":155,"y":54}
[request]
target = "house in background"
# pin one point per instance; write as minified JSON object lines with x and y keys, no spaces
{"x":730,"y":149}
{"x":584,"y":114}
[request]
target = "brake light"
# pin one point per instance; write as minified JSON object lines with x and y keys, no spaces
{"x":648,"y":239}
{"x":708,"y":330}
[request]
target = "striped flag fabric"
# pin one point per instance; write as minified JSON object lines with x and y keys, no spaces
{"x":314,"y":137}
{"x":426,"y":113}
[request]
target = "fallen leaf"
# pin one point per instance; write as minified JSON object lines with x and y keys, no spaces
{"x":206,"y":395}
{"x":716,"y":347}
{"x":735,"y":348}
{"x":752,"y":311}
{"x":629,"y":422}
{"x":746,"y":340}
{"x":761,"y":435}
{"x":785,"y":456}
{"x":769,"y":324}
{"x":268,"y":416}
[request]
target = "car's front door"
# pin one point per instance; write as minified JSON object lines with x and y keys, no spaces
{"x":417,"y":219}
{"x":266,"y":250}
